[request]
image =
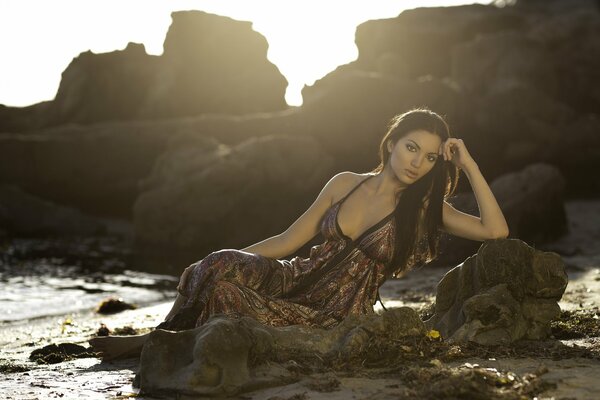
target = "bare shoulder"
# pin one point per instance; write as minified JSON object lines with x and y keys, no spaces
{"x":343,"y":182}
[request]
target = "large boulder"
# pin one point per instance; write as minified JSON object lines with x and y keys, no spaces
{"x":209,"y":195}
{"x":211,"y":64}
{"x":214,"y":64}
{"x":226,"y":356}
{"x":506,"y":292}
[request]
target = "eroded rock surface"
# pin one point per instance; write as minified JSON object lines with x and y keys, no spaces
{"x":506,"y":292}
{"x":226,"y":356}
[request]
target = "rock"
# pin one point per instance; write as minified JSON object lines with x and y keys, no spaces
{"x":214,"y":64}
{"x":112,"y":158}
{"x":209,"y":196}
{"x":532,"y":201}
{"x":104,"y":87}
{"x":26,"y":215}
{"x":114,"y":305}
{"x":515,"y":106}
{"x":226,"y":356}
{"x":506,"y":292}
{"x":211,"y":64}
{"x":504,"y":59}
{"x":348,"y":112}
{"x":95,"y":169}
{"x":424,"y":38}
{"x":53,"y":353}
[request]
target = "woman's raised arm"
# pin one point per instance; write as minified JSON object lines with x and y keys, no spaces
{"x":491,"y":224}
{"x":307,"y":225}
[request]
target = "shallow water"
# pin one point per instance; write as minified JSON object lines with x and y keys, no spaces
{"x":44,"y":277}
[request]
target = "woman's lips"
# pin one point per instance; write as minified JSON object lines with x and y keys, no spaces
{"x":410,"y":174}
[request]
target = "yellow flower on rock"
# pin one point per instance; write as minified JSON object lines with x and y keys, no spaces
{"x":433,"y":334}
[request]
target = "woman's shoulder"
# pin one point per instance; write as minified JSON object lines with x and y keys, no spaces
{"x":346,"y":181}
{"x":345,"y":178}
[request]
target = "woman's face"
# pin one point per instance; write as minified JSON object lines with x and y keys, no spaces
{"x":414,"y":155}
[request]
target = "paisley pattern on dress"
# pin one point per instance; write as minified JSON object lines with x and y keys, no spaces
{"x":341,"y":277}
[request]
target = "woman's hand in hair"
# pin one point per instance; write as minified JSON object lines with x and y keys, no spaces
{"x":455,"y":151}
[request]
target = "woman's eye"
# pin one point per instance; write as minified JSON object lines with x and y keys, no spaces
{"x":432,"y":158}
{"x":410,"y":147}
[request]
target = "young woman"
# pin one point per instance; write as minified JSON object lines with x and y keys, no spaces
{"x":376,"y":225}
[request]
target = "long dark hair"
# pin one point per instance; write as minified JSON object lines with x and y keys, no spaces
{"x":412,"y":246}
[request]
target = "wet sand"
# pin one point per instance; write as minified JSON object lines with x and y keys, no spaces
{"x":566,"y":366}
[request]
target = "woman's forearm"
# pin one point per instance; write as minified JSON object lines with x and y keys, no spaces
{"x":273,"y":247}
{"x":490,"y":213}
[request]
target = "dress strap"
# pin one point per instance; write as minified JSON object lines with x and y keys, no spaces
{"x":380,"y":302}
{"x":355,"y":187}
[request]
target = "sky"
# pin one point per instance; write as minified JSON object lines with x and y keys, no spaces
{"x":307,"y":38}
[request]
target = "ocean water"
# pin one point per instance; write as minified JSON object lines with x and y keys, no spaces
{"x":45,"y":277}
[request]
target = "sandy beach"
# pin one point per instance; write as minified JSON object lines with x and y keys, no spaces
{"x":563,"y":367}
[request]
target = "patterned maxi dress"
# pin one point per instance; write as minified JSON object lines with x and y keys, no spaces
{"x":340,"y":278}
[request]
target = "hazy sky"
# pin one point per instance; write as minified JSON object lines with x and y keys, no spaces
{"x":307,"y":39}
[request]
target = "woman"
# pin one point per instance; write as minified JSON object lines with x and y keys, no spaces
{"x":376,"y":225}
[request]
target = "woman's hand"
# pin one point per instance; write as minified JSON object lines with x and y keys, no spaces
{"x":455,"y":151}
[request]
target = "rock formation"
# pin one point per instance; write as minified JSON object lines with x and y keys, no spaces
{"x":506,"y":292}
{"x":220,"y":357}
{"x":209,"y":195}
{"x":525,"y":75}
{"x":211,"y":64}
{"x":489,"y":70}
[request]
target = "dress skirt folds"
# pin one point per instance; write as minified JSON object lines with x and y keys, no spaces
{"x":340,"y":278}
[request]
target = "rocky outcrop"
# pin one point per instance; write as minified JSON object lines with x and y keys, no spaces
{"x":211,"y":64}
{"x":221,"y":357}
{"x":209,"y":195}
{"x":506,"y":292}
{"x":110,"y":158}
{"x":525,"y":74}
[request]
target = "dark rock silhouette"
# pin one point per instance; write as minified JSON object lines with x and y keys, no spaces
{"x":211,"y":64}
{"x":214,"y":64}
{"x":506,"y":292}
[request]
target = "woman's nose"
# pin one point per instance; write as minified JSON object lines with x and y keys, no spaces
{"x":417,"y":161}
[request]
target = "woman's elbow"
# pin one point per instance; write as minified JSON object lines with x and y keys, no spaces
{"x":499,"y":233}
